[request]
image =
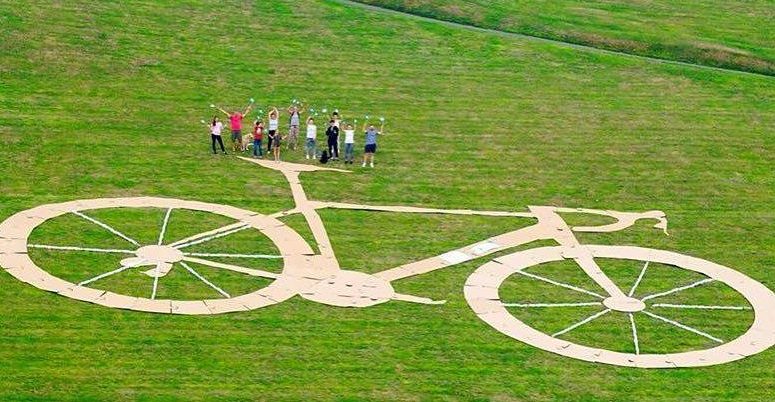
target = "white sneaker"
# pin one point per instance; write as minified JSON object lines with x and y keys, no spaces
{"x":307,"y":156}
{"x":372,"y":164}
{"x":364,"y":164}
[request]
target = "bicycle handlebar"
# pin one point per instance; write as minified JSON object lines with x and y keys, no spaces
{"x":623,"y":219}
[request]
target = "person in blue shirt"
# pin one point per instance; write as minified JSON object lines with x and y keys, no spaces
{"x":370,"y":147}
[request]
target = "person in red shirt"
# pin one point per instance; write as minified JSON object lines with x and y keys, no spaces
{"x":235,"y":121}
{"x":258,"y":135}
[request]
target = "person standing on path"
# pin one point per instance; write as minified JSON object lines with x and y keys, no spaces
{"x":258,"y":136}
{"x":235,"y":121}
{"x":276,"y":139}
{"x":332,"y":132}
{"x":370,"y":147}
{"x":215,"y":128}
{"x":274,"y":124}
{"x":312,"y":132}
{"x":349,"y":143}
{"x":295,"y":121}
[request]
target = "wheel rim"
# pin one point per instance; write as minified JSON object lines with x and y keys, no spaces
{"x":15,"y":231}
{"x":482,"y":294}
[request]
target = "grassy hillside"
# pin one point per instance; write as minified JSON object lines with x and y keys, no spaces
{"x":728,"y":34}
{"x":101,"y":99}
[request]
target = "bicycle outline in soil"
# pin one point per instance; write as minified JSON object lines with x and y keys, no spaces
{"x":319,"y":277}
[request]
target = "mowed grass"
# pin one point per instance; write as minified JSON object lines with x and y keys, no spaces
{"x":103,"y":100}
{"x":728,"y":34}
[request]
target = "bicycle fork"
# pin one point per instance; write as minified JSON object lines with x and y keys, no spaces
{"x":573,"y":249}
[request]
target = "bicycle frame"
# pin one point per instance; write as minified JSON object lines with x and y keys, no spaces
{"x":319,"y":277}
{"x":549,"y":226}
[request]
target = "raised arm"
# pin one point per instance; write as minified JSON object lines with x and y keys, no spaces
{"x":247,"y":109}
{"x":221,"y":110}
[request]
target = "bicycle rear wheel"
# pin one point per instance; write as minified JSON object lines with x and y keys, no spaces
{"x":158,"y":257}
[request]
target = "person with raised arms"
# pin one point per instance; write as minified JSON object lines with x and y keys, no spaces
{"x":295,"y":121}
{"x":312,"y":132}
{"x":274,"y":124}
{"x":235,"y":121}
{"x":349,"y":143}
{"x":370,"y":147}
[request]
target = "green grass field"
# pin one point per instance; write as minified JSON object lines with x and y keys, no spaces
{"x":730,"y":34}
{"x":103,"y":99}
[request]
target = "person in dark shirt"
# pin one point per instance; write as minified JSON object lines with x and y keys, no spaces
{"x":332,"y":132}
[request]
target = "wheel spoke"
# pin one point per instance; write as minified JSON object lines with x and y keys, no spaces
{"x":266,"y":256}
{"x":210,"y":235}
{"x":164,"y":226}
{"x":582,"y":322}
{"x":156,"y":280}
{"x":107,"y":227}
{"x":564,"y":285}
{"x":73,"y":248}
{"x":109,"y":273}
{"x":701,"y":307}
{"x":634,"y":334}
{"x":640,"y":277}
{"x":235,"y":268}
{"x":551,"y":304}
{"x":678,"y":289}
{"x":202,"y":278}
{"x":682,"y":326}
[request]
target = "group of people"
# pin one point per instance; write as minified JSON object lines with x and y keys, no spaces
{"x":271,"y":135}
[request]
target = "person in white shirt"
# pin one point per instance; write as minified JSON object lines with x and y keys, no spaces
{"x":312,"y":134}
{"x":349,"y":144}
{"x":274,"y":124}
{"x":215,"y":128}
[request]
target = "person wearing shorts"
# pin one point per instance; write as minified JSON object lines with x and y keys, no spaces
{"x":370,"y":147}
{"x":235,"y":121}
{"x":274,"y":123}
{"x":276,"y":139}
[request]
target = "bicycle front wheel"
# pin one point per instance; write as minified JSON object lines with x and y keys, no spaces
{"x":486,"y":286}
